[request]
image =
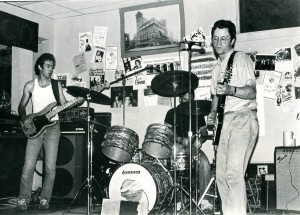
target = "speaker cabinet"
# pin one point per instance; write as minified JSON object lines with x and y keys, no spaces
{"x":15,"y":31}
{"x":69,"y":165}
{"x":287,"y":161}
{"x":12,"y":154}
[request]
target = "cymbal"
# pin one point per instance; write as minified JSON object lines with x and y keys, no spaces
{"x":97,"y":124}
{"x":198,"y":107}
{"x":96,"y":97}
{"x":173,"y":83}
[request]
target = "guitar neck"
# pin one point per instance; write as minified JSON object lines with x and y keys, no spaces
{"x":60,"y":108}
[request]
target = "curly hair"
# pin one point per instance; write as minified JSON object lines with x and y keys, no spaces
{"x":41,"y":60}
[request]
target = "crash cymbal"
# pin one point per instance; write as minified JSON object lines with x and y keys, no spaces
{"x":97,"y":124}
{"x":202,"y":107}
{"x":173,"y":83}
{"x":95,"y":96}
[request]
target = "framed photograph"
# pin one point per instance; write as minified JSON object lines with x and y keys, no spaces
{"x":152,"y":28}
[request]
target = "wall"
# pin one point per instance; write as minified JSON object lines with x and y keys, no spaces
{"x":275,"y":121}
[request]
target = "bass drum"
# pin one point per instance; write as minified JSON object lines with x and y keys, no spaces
{"x":145,"y":182}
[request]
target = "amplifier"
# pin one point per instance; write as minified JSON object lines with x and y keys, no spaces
{"x":75,"y":113}
{"x":287,"y":161}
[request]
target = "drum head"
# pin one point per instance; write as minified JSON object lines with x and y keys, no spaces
{"x":135,"y":182}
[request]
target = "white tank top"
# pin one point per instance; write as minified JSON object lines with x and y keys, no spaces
{"x":41,"y":97}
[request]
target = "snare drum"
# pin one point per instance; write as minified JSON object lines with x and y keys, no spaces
{"x":147,"y":182}
{"x":159,"y":140}
{"x":120,"y":143}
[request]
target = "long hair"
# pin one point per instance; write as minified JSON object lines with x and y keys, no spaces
{"x":41,"y":60}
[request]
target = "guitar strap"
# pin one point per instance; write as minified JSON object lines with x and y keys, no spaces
{"x":230,"y":61}
{"x":54,"y":84}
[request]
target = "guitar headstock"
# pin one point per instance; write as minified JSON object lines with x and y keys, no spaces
{"x":104,"y":86}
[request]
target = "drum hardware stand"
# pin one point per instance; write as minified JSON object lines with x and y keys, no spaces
{"x":212,"y":182}
{"x":87,"y":184}
{"x":175,"y":184}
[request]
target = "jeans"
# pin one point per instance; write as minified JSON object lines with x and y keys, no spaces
{"x":238,"y":138}
{"x":49,"y":138}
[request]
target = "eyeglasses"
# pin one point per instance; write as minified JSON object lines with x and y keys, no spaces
{"x":221,"y":39}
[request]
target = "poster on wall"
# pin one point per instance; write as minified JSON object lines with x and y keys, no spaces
{"x":118,"y":73}
{"x":160,"y":65}
{"x":79,"y":62}
{"x":265,"y":62}
{"x":98,"y":54}
{"x":132,"y":65}
{"x":85,"y":41}
{"x":131,"y":97}
{"x":202,"y":65}
{"x":150,"y":98}
{"x":297,"y":82}
{"x":99,"y":37}
{"x":270,"y":81}
{"x":97,"y":77}
{"x":63,"y":79}
{"x":283,"y":59}
{"x":111,"y":58}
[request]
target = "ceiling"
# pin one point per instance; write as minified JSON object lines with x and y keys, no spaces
{"x":59,"y":9}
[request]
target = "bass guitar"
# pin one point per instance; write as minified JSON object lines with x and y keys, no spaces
{"x":42,"y":119}
{"x":221,"y":101}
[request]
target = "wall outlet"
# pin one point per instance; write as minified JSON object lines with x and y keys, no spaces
{"x":262,"y":169}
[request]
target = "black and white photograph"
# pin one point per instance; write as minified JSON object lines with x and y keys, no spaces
{"x":130,"y":99}
{"x":149,"y":107}
{"x":147,"y":28}
{"x":265,"y":62}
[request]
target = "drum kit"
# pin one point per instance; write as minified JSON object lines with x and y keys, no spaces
{"x":143,"y":174}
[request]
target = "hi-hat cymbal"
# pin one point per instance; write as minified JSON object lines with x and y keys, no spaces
{"x":97,"y":124}
{"x":198,"y":107}
{"x":173,"y":83}
{"x":95,"y":96}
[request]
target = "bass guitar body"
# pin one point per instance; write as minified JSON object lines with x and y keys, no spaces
{"x":40,"y":122}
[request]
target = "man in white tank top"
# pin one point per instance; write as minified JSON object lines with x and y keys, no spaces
{"x":39,"y":90}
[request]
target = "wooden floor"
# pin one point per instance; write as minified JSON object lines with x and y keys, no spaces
{"x":61,"y":206}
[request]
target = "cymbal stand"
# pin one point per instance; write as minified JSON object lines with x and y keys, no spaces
{"x":123,"y":96}
{"x":87,"y":184}
{"x":173,"y":189}
{"x":212,"y":182}
{"x":190,"y":133}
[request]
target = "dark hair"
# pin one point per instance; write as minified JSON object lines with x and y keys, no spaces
{"x":225,"y":24}
{"x":137,"y":61}
{"x":41,"y":60}
{"x":192,"y":93}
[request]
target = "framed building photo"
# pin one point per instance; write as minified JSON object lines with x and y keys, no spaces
{"x":152,"y":28}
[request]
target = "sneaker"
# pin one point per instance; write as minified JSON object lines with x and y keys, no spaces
{"x":22,"y":204}
{"x":44,"y":204}
{"x":205,"y":205}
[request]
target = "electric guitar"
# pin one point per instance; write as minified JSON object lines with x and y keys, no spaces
{"x":221,"y":101}
{"x":42,"y":119}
